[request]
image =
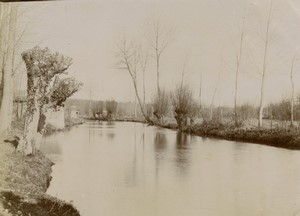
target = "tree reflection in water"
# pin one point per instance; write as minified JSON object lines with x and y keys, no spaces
{"x":183,"y":157}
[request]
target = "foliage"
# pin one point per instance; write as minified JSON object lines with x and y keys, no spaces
{"x":161,"y":105}
{"x":274,"y":137}
{"x":281,"y":110}
{"x":41,"y":62}
{"x":184,"y":106}
{"x":64,"y":89}
{"x":244,"y":112}
{"x":42,"y":66}
{"x":111,"y":108}
{"x":97,"y":108}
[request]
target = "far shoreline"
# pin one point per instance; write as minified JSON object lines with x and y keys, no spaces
{"x":276,"y":137}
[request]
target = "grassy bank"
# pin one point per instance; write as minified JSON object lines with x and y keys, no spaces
{"x":118,"y":119}
{"x":283,"y":137}
{"x":24,"y":181}
{"x":288,"y":138}
{"x":278,"y":137}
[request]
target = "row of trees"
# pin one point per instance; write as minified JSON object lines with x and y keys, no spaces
{"x":93,"y":108}
{"x":98,"y":107}
{"x":184,"y":106}
{"x":284,"y":111}
{"x":267,"y":39}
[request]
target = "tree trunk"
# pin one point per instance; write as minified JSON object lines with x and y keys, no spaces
{"x":140,"y":102}
{"x":181,"y":120}
{"x":4,"y":23}
{"x":235,"y":97}
{"x":200,"y":91}
{"x":30,"y":141}
{"x":239,"y":58}
{"x":3,"y":35}
{"x":212,"y":104}
{"x":7,"y":100}
{"x":157,"y":74}
{"x":221,"y":113}
{"x":21,"y":112}
{"x":133,"y":77}
{"x":261,"y":106}
{"x":293,"y":93}
{"x":144,"y":90}
{"x":40,"y":74}
{"x":260,"y":115}
{"x":1,"y":44}
{"x":135,"y":108}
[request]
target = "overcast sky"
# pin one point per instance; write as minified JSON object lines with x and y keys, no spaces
{"x":206,"y":34}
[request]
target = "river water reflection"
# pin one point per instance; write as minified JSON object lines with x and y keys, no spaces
{"x":130,"y":169}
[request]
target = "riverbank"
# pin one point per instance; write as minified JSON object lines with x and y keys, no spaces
{"x":288,"y":138}
{"x":68,"y":123}
{"x":24,"y":181}
{"x":277,"y":137}
{"x":139,"y":120}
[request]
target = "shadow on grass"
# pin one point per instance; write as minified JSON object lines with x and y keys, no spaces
{"x":44,"y":206}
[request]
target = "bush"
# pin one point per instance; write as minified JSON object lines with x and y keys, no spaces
{"x":184,"y":106}
{"x":160,"y":105}
{"x":244,"y":113}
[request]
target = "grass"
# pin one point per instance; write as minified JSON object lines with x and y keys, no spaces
{"x":278,"y":137}
{"x":24,"y":181}
{"x":46,"y":206}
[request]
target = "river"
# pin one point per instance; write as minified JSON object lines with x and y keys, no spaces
{"x":131,"y":169}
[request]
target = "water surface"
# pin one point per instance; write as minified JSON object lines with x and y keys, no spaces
{"x":130,"y":169}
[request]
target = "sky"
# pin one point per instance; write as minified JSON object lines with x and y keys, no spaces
{"x":206,"y":37}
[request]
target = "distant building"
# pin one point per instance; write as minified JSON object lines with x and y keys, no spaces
{"x":56,"y":118}
{"x":74,"y":114}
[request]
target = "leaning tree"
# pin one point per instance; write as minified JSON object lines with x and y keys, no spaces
{"x":129,"y":60}
{"x":44,"y":90}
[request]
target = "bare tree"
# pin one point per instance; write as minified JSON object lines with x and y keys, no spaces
{"x":264,"y":69}
{"x":212,"y":103}
{"x":200,"y":91}
{"x":281,"y":110}
{"x":97,"y":109}
{"x":183,"y":105}
{"x":160,"y":105}
{"x":111,"y":108}
{"x":42,"y":67}
{"x":244,"y":112}
{"x":238,"y":66}
{"x":214,"y":93}
{"x":4,"y":24}
{"x":7,"y":67}
{"x":293,"y":90}
{"x":128,"y":59}
{"x":159,"y":36}
{"x":143,"y":60}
